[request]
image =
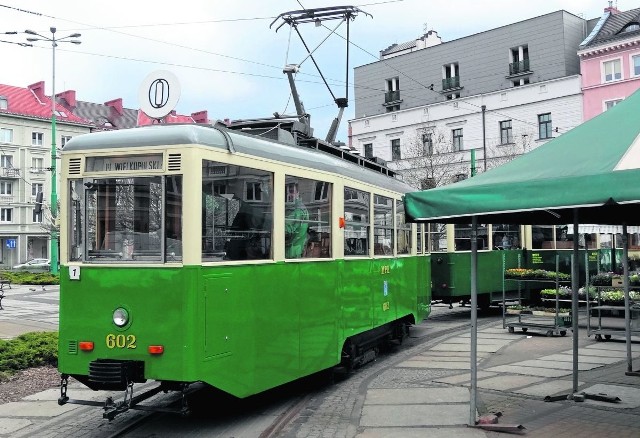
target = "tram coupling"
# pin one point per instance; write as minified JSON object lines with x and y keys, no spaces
{"x":113,"y":408}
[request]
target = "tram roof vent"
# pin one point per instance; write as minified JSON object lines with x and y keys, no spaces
{"x":175,"y":162}
{"x":75,"y":166}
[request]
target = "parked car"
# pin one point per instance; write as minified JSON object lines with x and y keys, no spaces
{"x":39,"y":264}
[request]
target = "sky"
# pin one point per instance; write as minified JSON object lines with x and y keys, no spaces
{"x":227,"y":55}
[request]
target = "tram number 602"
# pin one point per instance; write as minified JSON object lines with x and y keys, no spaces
{"x":121,"y":341}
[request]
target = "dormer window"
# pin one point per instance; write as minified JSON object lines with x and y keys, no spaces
{"x":631,"y":27}
{"x":4,"y":104}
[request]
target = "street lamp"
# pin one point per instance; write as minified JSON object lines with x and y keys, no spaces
{"x":54,"y":192}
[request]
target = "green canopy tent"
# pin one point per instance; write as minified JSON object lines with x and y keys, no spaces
{"x":590,"y":175}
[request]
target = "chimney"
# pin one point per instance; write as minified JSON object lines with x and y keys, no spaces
{"x":612,"y":9}
{"x":200,"y":117}
{"x":68,"y":97}
{"x":116,"y":104}
{"x":38,"y":90}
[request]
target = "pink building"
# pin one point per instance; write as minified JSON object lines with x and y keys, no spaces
{"x":610,"y":61}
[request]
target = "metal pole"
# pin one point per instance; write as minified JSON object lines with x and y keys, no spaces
{"x":474,"y":321}
{"x":575,"y":282}
{"x":627,"y":310}
{"x":484,"y":137}
{"x":54,"y":190}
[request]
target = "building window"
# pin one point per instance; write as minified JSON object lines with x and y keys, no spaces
{"x":450,"y":76}
{"x":323,"y":189}
{"x":368,"y":150}
{"x":3,"y":103}
{"x":457,"y":139}
{"x":64,"y":140}
{"x":544,"y":125}
{"x":611,"y":103}
{"x":635,"y":65}
{"x":427,"y":143}
{"x":6,"y":161}
{"x":37,"y":164}
{"x":392,"y":108}
{"x":37,"y":217}
{"x":254,"y":191}
{"x":520,"y":82}
{"x":612,"y":70}
{"x":392,"y":90}
{"x":37,"y":138}
{"x":506,"y":133}
{"x":6,"y":215}
{"x":6,"y":188}
{"x":395,"y":150}
{"x":35,"y":188}
{"x":519,"y":60}
{"x":6,"y":135}
{"x":453,"y":96}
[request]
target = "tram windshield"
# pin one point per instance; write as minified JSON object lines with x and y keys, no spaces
{"x":126,"y":219}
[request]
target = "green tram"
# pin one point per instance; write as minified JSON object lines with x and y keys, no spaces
{"x":506,"y":246}
{"x":197,"y":253}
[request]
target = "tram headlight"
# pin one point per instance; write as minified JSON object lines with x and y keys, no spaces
{"x":120,"y":317}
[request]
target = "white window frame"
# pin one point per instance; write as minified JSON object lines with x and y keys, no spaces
{"x":632,"y":70}
{"x":37,"y":138}
{"x":64,"y":139}
{"x":35,"y":187}
{"x":614,"y":101}
{"x":37,"y":164}
{"x":256,"y":195}
{"x":6,"y":215}
{"x":6,"y":188}
{"x":6,"y":135}
{"x":603,"y":70}
{"x":396,"y":149}
{"x":6,"y":161}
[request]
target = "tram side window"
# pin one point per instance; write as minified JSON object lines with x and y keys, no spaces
{"x":356,"y":217}
{"x":403,"y":230}
{"x":173,"y":218}
{"x":76,"y":209}
{"x":419,"y":242}
{"x":437,"y":237}
{"x":124,"y":218}
{"x":307,"y":218}
{"x":462,"y":237}
{"x":237,"y":212}
{"x":382,"y":225}
{"x":542,"y":237}
{"x":506,"y":236}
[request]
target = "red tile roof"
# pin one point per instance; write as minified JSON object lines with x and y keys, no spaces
{"x":172,"y":117}
{"x":25,"y":102}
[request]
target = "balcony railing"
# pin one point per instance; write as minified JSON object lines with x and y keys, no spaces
{"x":451,"y":83}
{"x":391,"y":96}
{"x":10,"y":172}
{"x":519,"y":67}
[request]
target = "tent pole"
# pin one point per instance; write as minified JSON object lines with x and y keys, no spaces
{"x":625,"y":279}
{"x":575,"y":272}
{"x":474,"y":320}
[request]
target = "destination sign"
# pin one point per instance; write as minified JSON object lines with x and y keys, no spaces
{"x":128,"y":163}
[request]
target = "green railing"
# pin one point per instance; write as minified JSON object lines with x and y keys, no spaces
{"x":449,"y":83}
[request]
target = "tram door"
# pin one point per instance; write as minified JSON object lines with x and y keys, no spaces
{"x":218,"y":314}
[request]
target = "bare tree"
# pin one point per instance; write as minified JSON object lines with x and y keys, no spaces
{"x":499,"y":154}
{"x":429,"y":160}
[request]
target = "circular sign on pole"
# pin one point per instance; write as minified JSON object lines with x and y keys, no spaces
{"x":159,"y":94}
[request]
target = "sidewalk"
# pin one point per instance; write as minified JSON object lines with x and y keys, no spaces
{"x":427,"y":392}
{"x":29,"y":308}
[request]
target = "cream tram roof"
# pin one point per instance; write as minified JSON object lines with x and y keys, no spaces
{"x":235,"y":142}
